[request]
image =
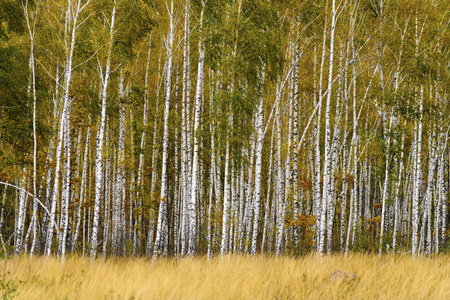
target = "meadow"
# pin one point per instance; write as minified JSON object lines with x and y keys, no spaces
{"x":230,"y":277}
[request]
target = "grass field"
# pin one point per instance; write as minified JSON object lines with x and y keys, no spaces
{"x":231,"y":277}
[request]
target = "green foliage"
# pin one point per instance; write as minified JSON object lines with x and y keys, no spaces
{"x":446,"y":242}
{"x":244,"y":45}
{"x":134,"y":24}
{"x":366,"y":237}
{"x":11,"y":19}
{"x":15,"y":112}
{"x":8,"y":286}
{"x":240,"y":50}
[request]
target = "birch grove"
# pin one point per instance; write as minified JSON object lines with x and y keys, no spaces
{"x":210,"y":127}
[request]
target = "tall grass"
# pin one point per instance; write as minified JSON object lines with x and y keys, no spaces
{"x":233,"y":277}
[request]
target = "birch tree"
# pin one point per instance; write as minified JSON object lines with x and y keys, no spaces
{"x":195,"y":160}
{"x":72,"y":14}
{"x":100,"y":138}
{"x":161,"y":231}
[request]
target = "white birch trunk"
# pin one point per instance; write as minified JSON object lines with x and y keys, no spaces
{"x":161,"y":231}
{"x":247,"y":222}
{"x":107,"y":176}
{"x":397,"y":197}
{"x":211,"y":187}
{"x":439,"y":216}
{"x":176,"y":190}
{"x":334,"y":157}
{"x":65,"y":200}
{"x":67,"y":80}
{"x":149,"y":247}
{"x":187,"y":131}
{"x":183,"y":143}
{"x":430,"y":189}
{"x":317,"y":171}
{"x":327,"y":153}
{"x":195,"y":160}
{"x":258,"y":166}
{"x":233,"y":210}
{"x":18,"y":232}
{"x":280,"y":182}
{"x":117,"y":229}
{"x":298,"y":206}
{"x":50,"y":155}
{"x":267,"y":211}
{"x":31,"y":31}
{"x":140,"y":188}
{"x":227,"y":194}
{"x":354,"y":192}
{"x":418,"y":180}
{"x":2,"y":212}
{"x":82,"y":190}
{"x":100,"y":138}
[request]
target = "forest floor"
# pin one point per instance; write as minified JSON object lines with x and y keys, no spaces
{"x":230,"y":277}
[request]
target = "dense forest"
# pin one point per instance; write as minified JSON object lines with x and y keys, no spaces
{"x":151,"y":128}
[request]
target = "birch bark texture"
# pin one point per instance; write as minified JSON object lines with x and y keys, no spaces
{"x":100,"y":139}
{"x":161,"y":230}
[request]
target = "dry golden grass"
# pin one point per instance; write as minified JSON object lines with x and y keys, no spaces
{"x":233,"y":277}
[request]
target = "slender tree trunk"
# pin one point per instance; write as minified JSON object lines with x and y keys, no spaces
{"x":117,"y":229}
{"x":280,"y":182}
{"x":65,"y":201}
{"x":155,"y":151}
{"x":100,"y":137}
{"x":186,"y":130}
{"x":31,"y":31}
{"x":334,"y":157}
{"x":161,"y":231}
{"x":195,"y":160}
{"x":327,"y":153}
{"x":439,"y":217}
{"x":397,"y":197}
{"x":386,"y":182}
{"x":107,"y":176}
{"x":140,"y":187}
{"x":354,"y":146}
{"x":65,"y":110}
{"x":82,"y":190}
{"x":247,"y":222}
{"x":267,"y":212}
{"x":18,"y":232}
{"x":258,"y":166}
{"x":227,"y":192}
{"x":316,"y":129}
{"x":418,"y":179}
{"x":430,"y":189}
{"x":211,"y":187}
{"x":298,"y":206}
